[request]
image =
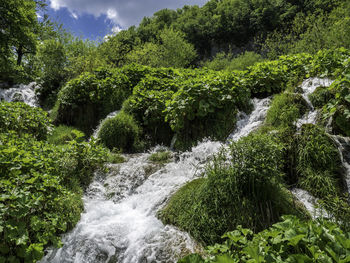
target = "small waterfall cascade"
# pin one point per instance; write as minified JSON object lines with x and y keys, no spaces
{"x":21,"y":92}
{"x":309,"y":86}
{"x":120,"y":221}
{"x":248,"y":123}
{"x":343,"y":144}
{"x":109,"y":116}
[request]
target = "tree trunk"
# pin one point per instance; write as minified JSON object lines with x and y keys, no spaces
{"x":19,"y":55}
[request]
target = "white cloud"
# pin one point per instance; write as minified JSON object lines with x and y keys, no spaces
{"x":74,"y":15}
{"x":122,"y":12}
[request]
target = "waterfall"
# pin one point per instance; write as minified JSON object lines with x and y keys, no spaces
{"x":21,"y":92}
{"x":343,"y":144}
{"x":120,"y":221}
{"x":309,"y":86}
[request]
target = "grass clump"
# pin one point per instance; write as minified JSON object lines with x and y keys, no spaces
{"x":121,"y":132}
{"x":160,"y":157}
{"x":63,"y":134}
{"x":318,"y":162}
{"x":243,"y":187}
{"x":285,"y":109}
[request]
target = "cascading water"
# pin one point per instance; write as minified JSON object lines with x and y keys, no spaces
{"x":21,"y":92}
{"x":343,"y":144}
{"x":120,"y":221}
{"x":308,"y":87}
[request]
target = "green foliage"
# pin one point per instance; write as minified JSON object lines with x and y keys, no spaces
{"x":64,"y":134}
{"x":291,"y":240}
{"x":339,"y":107}
{"x":90,"y":97}
{"x":318,"y":162}
{"x":23,"y":119}
{"x":160,"y":157}
{"x":243,"y":187}
{"x":18,"y":36}
{"x":285,"y":109}
{"x":40,"y":193}
{"x":121,"y":132}
{"x":320,"y":97}
{"x":171,"y":51}
{"x":224,"y":61}
{"x":202,"y":105}
{"x":272,"y":77}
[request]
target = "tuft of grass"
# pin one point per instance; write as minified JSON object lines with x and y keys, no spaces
{"x":160,"y":157}
{"x":243,"y":187}
{"x":285,"y":109}
{"x":64,"y":134}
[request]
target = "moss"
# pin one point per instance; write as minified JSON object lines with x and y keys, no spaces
{"x":285,"y":109}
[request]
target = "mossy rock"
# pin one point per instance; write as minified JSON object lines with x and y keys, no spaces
{"x":341,"y":123}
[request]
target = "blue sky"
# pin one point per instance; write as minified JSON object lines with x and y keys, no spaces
{"x":94,"y":19}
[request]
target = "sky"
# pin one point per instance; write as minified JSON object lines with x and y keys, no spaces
{"x":95,"y":19}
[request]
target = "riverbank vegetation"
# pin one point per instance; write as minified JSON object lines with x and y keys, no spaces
{"x":179,"y":77}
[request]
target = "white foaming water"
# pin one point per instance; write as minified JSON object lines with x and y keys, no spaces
{"x":247,"y":124}
{"x":21,"y":92}
{"x":111,"y":115}
{"x":120,"y":221}
{"x":343,"y":144}
{"x":308,"y":87}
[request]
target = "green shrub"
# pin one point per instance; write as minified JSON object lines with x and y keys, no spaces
{"x":121,"y":132}
{"x":224,"y":61}
{"x":271,"y":77}
{"x":90,"y":97}
{"x":63,"y":134}
{"x":320,"y":97}
{"x":243,"y":187}
{"x":285,"y":109}
{"x":339,"y":107}
{"x":318,"y":162}
{"x":23,"y":119}
{"x":291,"y":240}
{"x":40,"y":192}
{"x":202,"y":106}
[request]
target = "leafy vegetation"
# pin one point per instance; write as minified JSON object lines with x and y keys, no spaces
{"x":23,"y":119}
{"x":63,"y":134}
{"x":160,"y":157}
{"x":40,"y":192}
{"x":291,"y":240}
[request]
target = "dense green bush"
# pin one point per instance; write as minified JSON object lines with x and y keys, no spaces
{"x":206,"y":106}
{"x":271,"y":77}
{"x":339,"y":107}
{"x":64,"y":134}
{"x":224,"y":61}
{"x":40,"y":192}
{"x":318,"y":163}
{"x":285,"y":109}
{"x":121,"y":132}
{"x":291,"y":240}
{"x":89,"y":98}
{"x":23,"y":119}
{"x":243,"y":187}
